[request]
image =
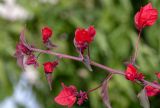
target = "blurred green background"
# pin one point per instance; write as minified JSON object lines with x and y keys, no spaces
{"x":113,"y":45}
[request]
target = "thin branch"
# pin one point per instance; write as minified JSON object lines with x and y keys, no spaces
{"x":151,"y":84}
{"x":113,"y":71}
{"x":108,"y":77}
{"x":89,"y":91}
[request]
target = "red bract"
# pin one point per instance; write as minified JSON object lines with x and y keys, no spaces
{"x":151,"y":91}
{"x":147,"y":16}
{"x":131,"y":72}
{"x":32,"y":60}
{"x":84,"y":36}
{"x":20,"y":48}
{"x":139,"y":76}
{"x":46,"y":34}
{"x":67,"y":96}
{"x":49,"y":66}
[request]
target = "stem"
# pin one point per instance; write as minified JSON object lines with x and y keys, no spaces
{"x":91,"y":90}
{"x":107,"y":78}
{"x":113,"y":71}
{"x":38,"y":55}
{"x":136,"y":48}
{"x":88,"y":51}
{"x":56,"y":54}
{"x":151,"y":84}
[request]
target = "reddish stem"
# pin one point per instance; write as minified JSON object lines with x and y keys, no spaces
{"x":113,"y":71}
{"x":107,"y":78}
{"x":91,"y":90}
{"x":78,"y":59}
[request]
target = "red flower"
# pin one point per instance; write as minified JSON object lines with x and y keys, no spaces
{"x":131,"y":72}
{"x":20,"y":48}
{"x":84,"y":36}
{"x":67,"y":96}
{"x":49,"y":66}
{"x":139,"y":76}
{"x":32,"y":60}
{"x":151,"y":91}
{"x":46,"y":34}
{"x":146,"y":16}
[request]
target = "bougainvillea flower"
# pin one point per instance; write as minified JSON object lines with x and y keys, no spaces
{"x":46,"y":34}
{"x":48,"y":69}
{"x":49,"y":66}
{"x":151,"y":91}
{"x":67,"y":96}
{"x":32,"y":60}
{"x":131,"y":72}
{"x":83,"y":37}
{"x":147,"y":16}
{"x":82,"y":96}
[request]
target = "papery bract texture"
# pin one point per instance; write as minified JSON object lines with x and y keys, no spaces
{"x":67,"y":96}
{"x":46,"y":34}
{"x":147,"y":16}
{"x":49,"y":66}
{"x":131,"y":72}
{"x":83,"y":37}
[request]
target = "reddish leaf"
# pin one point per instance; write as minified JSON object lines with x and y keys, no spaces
{"x":20,"y":61}
{"x":22,"y":37}
{"x":50,"y":45}
{"x":104,"y":92}
{"x":67,"y":96}
{"x":49,"y":79}
{"x":86,"y":61}
{"x":23,"y":40}
{"x":144,"y":99}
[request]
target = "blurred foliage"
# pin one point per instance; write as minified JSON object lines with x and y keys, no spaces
{"x":113,"y":45}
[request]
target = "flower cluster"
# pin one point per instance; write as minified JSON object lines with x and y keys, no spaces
{"x":32,"y":60}
{"x":69,"y":95}
{"x":46,"y":34}
{"x":83,"y":37}
{"x":49,"y":69}
{"x":22,"y":50}
{"x":147,"y":16}
{"x":132,"y":74}
{"x":49,"y":66}
{"x":151,"y":91}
